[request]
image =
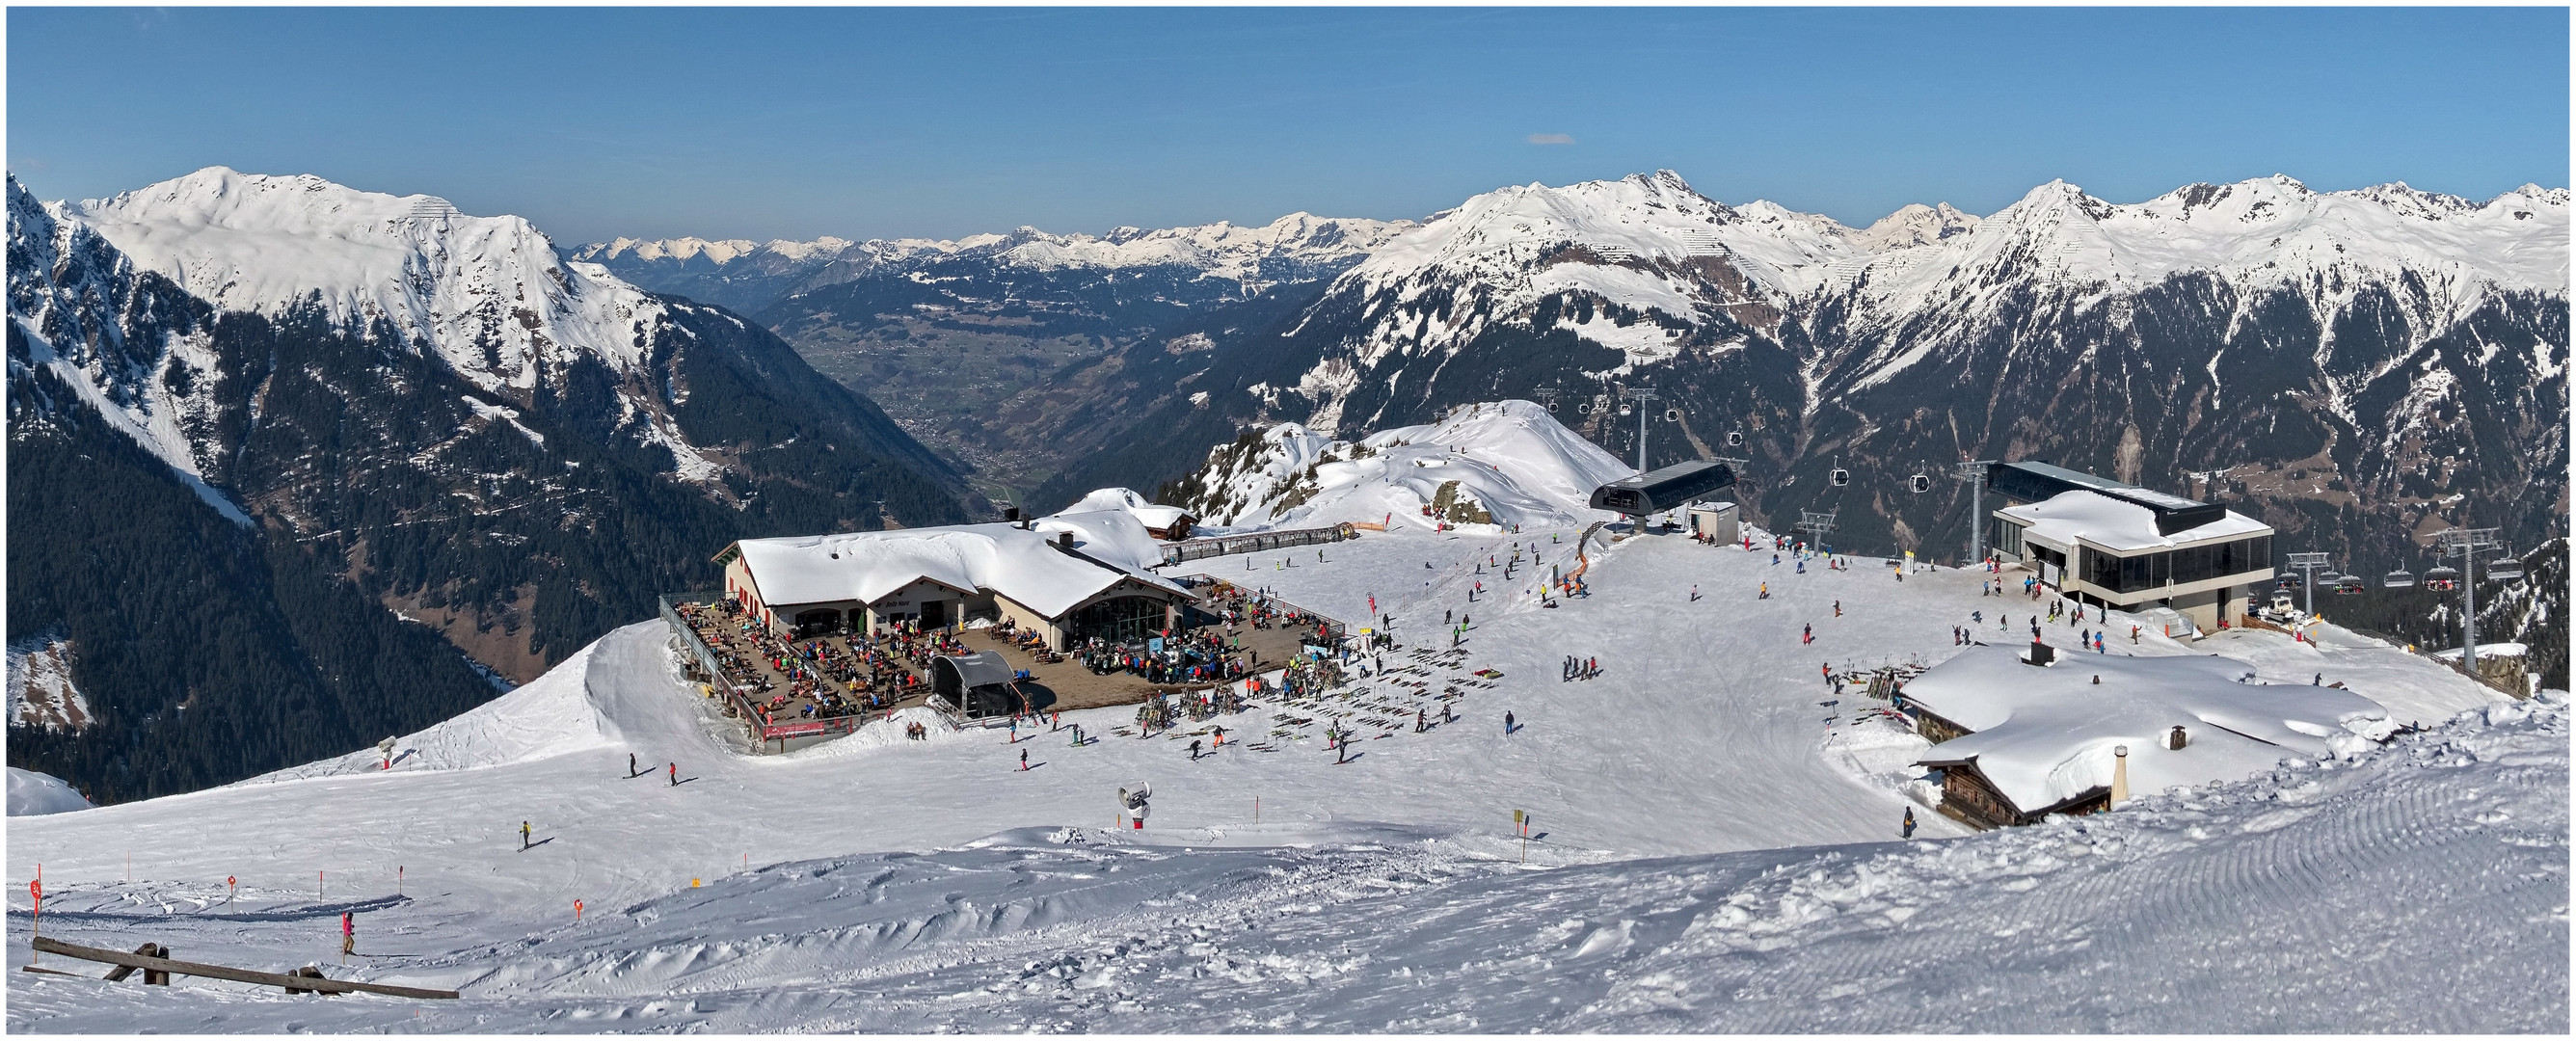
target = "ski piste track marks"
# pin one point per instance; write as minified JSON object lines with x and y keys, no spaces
{"x":1328,"y":925}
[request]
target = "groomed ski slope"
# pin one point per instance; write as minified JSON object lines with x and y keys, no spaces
{"x":1392,"y":881}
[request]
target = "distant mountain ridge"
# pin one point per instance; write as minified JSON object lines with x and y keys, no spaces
{"x":752,"y":276}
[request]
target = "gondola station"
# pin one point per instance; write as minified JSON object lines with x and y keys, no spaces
{"x":2110,"y":544}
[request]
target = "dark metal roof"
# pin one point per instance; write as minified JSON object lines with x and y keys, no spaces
{"x":1668,"y":488}
{"x":2033,"y":481}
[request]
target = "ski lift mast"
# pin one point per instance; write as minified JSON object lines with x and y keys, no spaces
{"x":2309,"y":563}
{"x":2466,"y":544}
{"x":1640,"y":396}
{"x":1974,"y":472}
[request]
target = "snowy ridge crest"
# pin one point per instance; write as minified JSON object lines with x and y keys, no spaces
{"x":1488,"y":466}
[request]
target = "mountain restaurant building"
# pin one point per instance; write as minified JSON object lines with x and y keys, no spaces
{"x":2116,"y":545}
{"x":1071,"y":576}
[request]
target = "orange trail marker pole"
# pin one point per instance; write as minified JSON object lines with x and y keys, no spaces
{"x":36,"y":891}
{"x":576,"y":912}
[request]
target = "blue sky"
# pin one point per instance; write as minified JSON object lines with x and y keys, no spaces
{"x":860,"y":123}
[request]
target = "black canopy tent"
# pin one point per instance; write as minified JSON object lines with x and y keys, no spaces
{"x":979,"y":684}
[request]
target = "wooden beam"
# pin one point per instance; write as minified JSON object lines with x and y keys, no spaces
{"x":50,"y":945}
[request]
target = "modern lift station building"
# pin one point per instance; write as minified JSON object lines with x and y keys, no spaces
{"x":2107,"y":543}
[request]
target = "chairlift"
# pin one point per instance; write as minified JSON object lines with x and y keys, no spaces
{"x":2505,"y":568}
{"x":2444,"y":578}
{"x":2349,"y":585}
{"x":1735,"y":439}
{"x":1584,"y":407}
{"x":1840,"y":477}
{"x":1922,"y":483}
{"x":1551,"y":404}
{"x":1625,"y":408}
{"x":1672,"y":415}
{"x":2398,"y":580}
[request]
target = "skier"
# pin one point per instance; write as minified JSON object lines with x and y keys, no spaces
{"x":1809,"y":635}
{"x":1766,"y":592}
{"x":1220,"y":737}
{"x":1507,"y":723}
{"x":630,"y":764}
{"x":1421,"y":720}
{"x":1024,"y":759}
{"x":348,"y":936}
{"x":1077,"y":735}
{"x":1838,"y":608}
{"x":523,"y":835}
{"x":1909,"y":822}
{"x":2319,"y":681}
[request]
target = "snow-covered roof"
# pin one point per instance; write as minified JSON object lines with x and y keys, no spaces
{"x":1024,"y":564}
{"x":2045,"y":735}
{"x":2102,"y":521}
{"x":1147,"y":512}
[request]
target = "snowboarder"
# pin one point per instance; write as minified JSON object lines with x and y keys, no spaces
{"x":1508,"y":726}
{"x":1194,"y":750}
{"x":1220,"y":738}
{"x":1909,"y":822}
{"x":1766,"y":592}
{"x":523,"y":835}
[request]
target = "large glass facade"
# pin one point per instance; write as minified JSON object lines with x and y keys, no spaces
{"x":1118,"y":618}
{"x":2182,"y":566}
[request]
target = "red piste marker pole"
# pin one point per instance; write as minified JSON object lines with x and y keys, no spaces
{"x":36,"y":890}
{"x":232,"y":886}
{"x":576,"y":912}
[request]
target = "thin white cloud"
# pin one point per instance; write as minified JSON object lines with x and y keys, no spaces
{"x":1551,"y":139}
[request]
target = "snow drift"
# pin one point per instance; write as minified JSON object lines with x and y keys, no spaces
{"x":32,"y":794}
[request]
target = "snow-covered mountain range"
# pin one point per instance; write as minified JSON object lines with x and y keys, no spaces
{"x":748,"y":276}
{"x":389,"y":413}
{"x":2360,"y":367}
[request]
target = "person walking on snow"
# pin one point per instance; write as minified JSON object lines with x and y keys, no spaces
{"x":630,"y":764}
{"x":675,"y":775}
{"x":1909,"y":822}
{"x":1507,"y":723}
{"x":523,"y":835}
{"x":348,"y":936}
{"x":1194,"y":750}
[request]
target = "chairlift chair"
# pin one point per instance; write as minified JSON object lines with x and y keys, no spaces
{"x":2505,"y":568}
{"x":2349,"y":585}
{"x":1584,"y":407}
{"x":2399,"y":580}
{"x":1625,"y":408}
{"x":1672,"y":415}
{"x":2444,"y":578}
{"x":1922,"y":483}
{"x":1840,"y":477}
{"x":1735,"y":439}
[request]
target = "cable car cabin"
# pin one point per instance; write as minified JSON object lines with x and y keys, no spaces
{"x":1840,"y":477}
{"x":2399,"y":580}
{"x":1735,"y":439}
{"x":1656,"y":491}
{"x":2443,"y":579}
{"x":2507,"y":568}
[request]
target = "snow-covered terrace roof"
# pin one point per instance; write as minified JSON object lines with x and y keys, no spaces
{"x":1022,"y":564}
{"x":2044,"y":735}
{"x":2121,"y":527}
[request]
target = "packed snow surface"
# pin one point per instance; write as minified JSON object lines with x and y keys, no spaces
{"x":32,"y":794}
{"x":1714,"y":846}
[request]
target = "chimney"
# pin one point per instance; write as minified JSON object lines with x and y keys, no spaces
{"x":2119,"y":775}
{"x":2177,"y":739}
{"x":1064,"y":539}
{"x":1011,"y":514}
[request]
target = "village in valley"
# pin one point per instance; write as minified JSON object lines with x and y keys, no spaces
{"x":1570,"y":664}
